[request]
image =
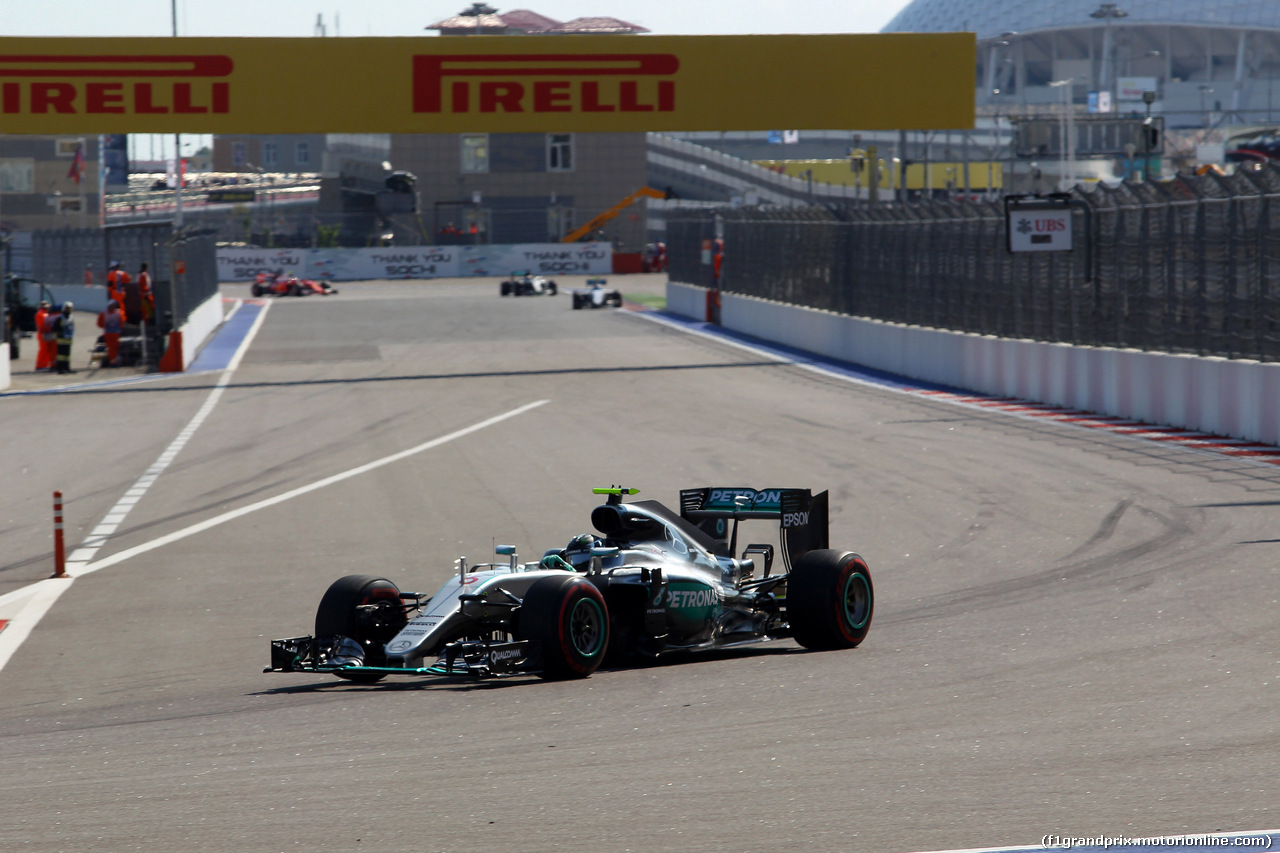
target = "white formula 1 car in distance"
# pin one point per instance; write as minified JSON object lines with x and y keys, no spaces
{"x":596,"y":295}
{"x":526,"y":283}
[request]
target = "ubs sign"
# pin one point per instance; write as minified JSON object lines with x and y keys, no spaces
{"x":1037,"y":223}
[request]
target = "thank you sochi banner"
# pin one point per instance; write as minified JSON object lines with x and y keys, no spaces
{"x":417,"y":262}
{"x":548,"y":259}
{"x":75,"y":86}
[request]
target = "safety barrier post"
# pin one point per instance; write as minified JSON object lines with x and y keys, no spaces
{"x":59,"y":550}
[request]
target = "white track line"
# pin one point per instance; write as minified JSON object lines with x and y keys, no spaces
{"x":40,"y":596}
{"x":302,"y":490}
{"x":111,"y":522}
{"x":43,"y":594}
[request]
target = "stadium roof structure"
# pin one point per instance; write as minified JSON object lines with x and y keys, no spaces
{"x":1207,"y":61}
{"x":990,"y":18}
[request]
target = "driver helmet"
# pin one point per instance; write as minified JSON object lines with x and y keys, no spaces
{"x":580,"y":544}
{"x":578,"y":551}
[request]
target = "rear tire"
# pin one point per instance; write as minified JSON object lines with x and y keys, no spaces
{"x":337,"y":616}
{"x":256,"y":290}
{"x":505,"y":288}
{"x":567,"y":620}
{"x":830,"y":600}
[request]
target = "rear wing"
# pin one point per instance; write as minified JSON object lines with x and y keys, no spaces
{"x":803,"y":516}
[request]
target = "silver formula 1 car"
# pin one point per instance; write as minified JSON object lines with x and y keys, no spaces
{"x":648,"y":582}
{"x":527,"y":283}
{"x":596,"y":295}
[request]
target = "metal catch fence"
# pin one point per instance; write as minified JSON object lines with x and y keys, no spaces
{"x":62,"y":256}
{"x":1188,"y":265}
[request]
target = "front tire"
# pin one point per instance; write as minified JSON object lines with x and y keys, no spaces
{"x":568,"y":621}
{"x":551,"y":288}
{"x":337,"y":616}
{"x":830,"y":600}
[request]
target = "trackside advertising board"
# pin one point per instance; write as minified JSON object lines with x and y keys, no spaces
{"x":1037,"y":225}
{"x":910,"y":81}
{"x":550,"y":259}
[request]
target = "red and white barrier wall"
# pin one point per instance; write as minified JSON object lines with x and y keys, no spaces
{"x":1236,"y":398}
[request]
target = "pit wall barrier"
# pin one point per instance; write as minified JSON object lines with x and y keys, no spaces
{"x":1229,"y":397}
{"x":412,"y":262}
{"x":200,"y":325}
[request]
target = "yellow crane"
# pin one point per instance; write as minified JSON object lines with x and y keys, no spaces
{"x":578,"y":233}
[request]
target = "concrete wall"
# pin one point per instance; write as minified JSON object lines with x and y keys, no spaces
{"x":1236,"y":398}
{"x":202,"y":323}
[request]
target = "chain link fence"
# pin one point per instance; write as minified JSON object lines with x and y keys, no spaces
{"x":62,"y":257}
{"x":303,"y":226}
{"x":1189,"y":265}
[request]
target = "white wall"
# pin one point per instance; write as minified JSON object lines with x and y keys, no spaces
{"x":1236,"y":398}
{"x":202,"y":323}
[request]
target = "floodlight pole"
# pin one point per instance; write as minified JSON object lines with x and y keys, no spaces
{"x":177,"y":213}
{"x":177,"y":140}
{"x":1107,"y":12}
{"x":1066,"y":126}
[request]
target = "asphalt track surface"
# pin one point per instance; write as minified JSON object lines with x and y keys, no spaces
{"x":1075,"y":633}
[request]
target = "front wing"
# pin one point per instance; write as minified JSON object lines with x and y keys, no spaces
{"x":466,"y":657}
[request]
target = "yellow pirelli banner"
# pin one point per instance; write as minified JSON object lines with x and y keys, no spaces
{"x":486,"y":83}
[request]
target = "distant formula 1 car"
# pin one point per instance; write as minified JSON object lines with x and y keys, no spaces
{"x":596,"y":295}
{"x":525,"y":283}
{"x":649,"y":582}
{"x":282,"y":284}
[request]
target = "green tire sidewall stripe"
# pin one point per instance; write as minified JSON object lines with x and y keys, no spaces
{"x":865,"y":597}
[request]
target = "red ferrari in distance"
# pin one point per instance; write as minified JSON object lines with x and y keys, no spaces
{"x":288,"y":284}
